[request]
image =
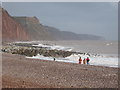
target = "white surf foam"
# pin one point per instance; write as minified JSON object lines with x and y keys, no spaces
{"x":53,"y":47}
{"x":74,"y":58}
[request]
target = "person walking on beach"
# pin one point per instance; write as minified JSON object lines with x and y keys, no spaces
{"x":84,"y":61}
{"x":87,"y":60}
{"x":54,"y":59}
{"x":80,"y":60}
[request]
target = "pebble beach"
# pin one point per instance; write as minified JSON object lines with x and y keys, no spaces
{"x":21,"y":72}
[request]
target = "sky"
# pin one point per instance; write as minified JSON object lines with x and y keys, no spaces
{"x":97,"y":18}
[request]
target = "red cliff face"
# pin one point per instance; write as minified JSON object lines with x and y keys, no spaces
{"x":12,"y":30}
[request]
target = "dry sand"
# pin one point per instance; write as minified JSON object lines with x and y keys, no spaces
{"x":19,"y":72}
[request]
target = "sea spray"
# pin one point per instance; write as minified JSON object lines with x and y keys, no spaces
{"x":101,"y":61}
{"x":61,"y":53}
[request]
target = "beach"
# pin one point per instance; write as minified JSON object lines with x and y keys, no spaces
{"x":59,"y":45}
{"x":21,"y":72}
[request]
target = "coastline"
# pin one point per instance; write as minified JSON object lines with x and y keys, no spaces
{"x":20,"y":72}
{"x":48,"y":51}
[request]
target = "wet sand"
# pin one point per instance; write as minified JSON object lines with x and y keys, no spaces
{"x":19,"y":72}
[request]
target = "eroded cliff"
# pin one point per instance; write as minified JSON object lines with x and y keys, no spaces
{"x":35,"y":29}
{"x":12,"y":30}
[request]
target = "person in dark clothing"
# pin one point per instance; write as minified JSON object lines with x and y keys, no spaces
{"x":54,"y":59}
{"x":87,"y":60}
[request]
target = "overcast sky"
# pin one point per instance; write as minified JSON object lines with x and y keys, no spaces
{"x":97,"y":18}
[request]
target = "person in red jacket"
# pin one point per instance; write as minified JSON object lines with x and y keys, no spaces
{"x":80,"y":60}
{"x":87,"y":60}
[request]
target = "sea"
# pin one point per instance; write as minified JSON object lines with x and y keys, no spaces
{"x":102,"y":53}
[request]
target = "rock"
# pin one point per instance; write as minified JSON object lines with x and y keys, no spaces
{"x":29,"y":50}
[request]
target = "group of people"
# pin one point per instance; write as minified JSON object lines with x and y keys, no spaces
{"x":85,"y":60}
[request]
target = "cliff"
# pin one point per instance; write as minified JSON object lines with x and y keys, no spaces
{"x":30,"y":28}
{"x":66,"y":35}
{"x":35,"y":29}
{"x":12,"y":30}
